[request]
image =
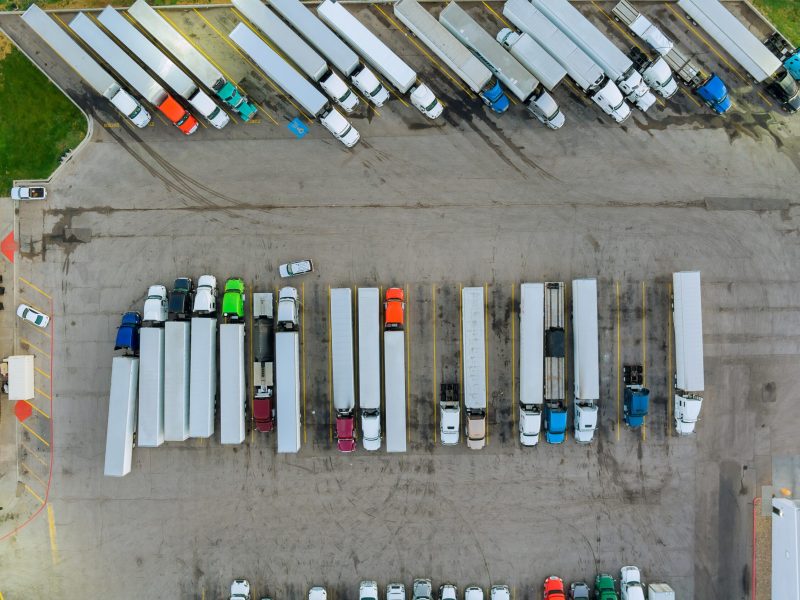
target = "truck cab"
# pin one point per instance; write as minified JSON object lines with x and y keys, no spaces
{"x":180,"y":299}
{"x":476,"y":429}
{"x":687,"y":412}
{"x":128,"y":332}
{"x":422,"y":589}
{"x":209,"y":109}
{"x":426,"y":102}
{"x":180,"y":117}
{"x":554,"y":588}
{"x":555,"y":422}
{"x":369,"y":85}
{"x":530,"y":422}
{"x":604,"y":587}
{"x":287,"y":308}
{"x":233,"y":299}
{"x":630,"y":583}
{"x":715,"y":94}
{"x":28,"y":193}
{"x":371,"y":429}
{"x":341,"y":129}
{"x":345,"y":432}
{"x":395,"y":591}
{"x":155,"y":306}
{"x":450,"y":413}
{"x":394,"y":308}
{"x":636,"y":406}
{"x":546,"y":109}
{"x":228,"y":93}
{"x":240,"y":589}
{"x":205,"y":299}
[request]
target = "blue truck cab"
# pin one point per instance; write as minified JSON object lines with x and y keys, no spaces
{"x":555,"y":422}
{"x":496,"y":99}
{"x":792,"y":65}
{"x":228,"y":93}
{"x":128,"y":332}
{"x":636,"y":405}
{"x":715,"y":94}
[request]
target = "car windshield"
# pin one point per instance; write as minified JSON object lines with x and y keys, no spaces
{"x":39,"y":319}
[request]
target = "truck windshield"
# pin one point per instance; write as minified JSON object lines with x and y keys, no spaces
{"x":183,"y":119}
{"x":135,"y":112}
{"x":618,"y":106}
{"x":552,"y":116}
{"x":346,"y":131}
{"x":431,"y":106}
{"x":346,"y":95}
{"x":376,"y":91}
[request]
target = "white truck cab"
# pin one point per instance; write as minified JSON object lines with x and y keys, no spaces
{"x":317,"y":593}
{"x":630,"y":584}
{"x":473,"y":592}
{"x":530,"y":425}
{"x":369,"y":85}
{"x":450,"y":422}
{"x":660,"y":78}
{"x":155,"y":306}
{"x":371,"y":429}
{"x":448,"y":591}
{"x":128,"y":106}
{"x":337,"y":89}
{"x":209,"y":109}
{"x":426,"y":102}
{"x":611,"y":100}
{"x":368,"y":590}
{"x":287,"y":308}
{"x":205,"y":297}
{"x":499,"y":592}
{"x":341,"y":129}
{"x":395,"y":591}
{"x":240,"y":589}
{"x":546,"y":109}
{"x":634,"y":87}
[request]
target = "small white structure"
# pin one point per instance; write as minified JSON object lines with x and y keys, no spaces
{"x":20,"y":377}
{"x":785,"y":549}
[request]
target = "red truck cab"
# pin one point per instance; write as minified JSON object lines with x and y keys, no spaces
{"x":179,"y":116}
{"x":345,"y":432}
{"x":394,"y":308}
{"x":554,"y":588}
{"x":264,"y":413}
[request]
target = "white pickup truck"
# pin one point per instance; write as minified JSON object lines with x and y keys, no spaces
{"x":28,"y":193}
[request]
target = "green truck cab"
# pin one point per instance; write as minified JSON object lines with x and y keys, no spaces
{"x":233,"y":300}
{"x":604,"y":587}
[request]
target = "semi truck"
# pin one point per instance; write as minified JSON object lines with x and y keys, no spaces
{"x":473,"y":335}
{"x":612,"y":60}
{"x":151,"y":387}
{"x":158,"y":62}
{"x":452,"y":53}
{"x":84,"y":65}
{"x":287,"y":371}
{"x":687,"y":319}
{"x":177,"y":347}
{"x":121,"y":429}
{"x":378,"y":54}
{"x":20,"y":377}
{"x":130,"y":71}
{"x":291,"y":82}
{"x":369,"y":367}
{"x":394,"y":369}
{"x":232,"y":391}
{"x":505,"y":67}
{"x":709,"y":88}
{"x":636,"y":402}
{"x":331,"y":47}
{"x":586,"y":362}
{"x":555,"y":412}
{"x":263,"y":362}
{"x":177,"y":45}
{"x":586,"y":74}
{"x":531,"y":362}
{"x":300,"y":53}
{"x":786,"y":53}
{"x":203,"y":376}
{"x":449,"y":413}
{"x":533,"y":57}
{"x":344,"y":386}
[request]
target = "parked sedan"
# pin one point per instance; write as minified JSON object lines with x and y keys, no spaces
{"x":298,"y":267}
{"x":34,"y":316}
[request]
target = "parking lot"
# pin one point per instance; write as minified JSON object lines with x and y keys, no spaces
{"x":474,"y":200}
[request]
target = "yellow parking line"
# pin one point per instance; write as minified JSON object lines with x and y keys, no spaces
{"x":36,"y":435}
{"x":425,"y":53}
{"x":619,"y":357}
{"x":644,"y":352}
{"x":513,"y":362}
{"x":26,"y":282}
{"x":32,"y":305}
{"x":32,"y":493}
{"x":670,"y":398}
{"x":51,"y":524}
{"x":691,"y":97}
{"x":41,"y":393}
{"x":34,"y":346}
{"x":330,"y":371}
{"x":37,"y":409}
{"x":251,"y":63}
{"x":408,"y":367}
{"x":33,"y":474}
{"x":38,"y":370}
{"x":433,"y":317}
{"x":228,"y":77}
{"x":33,"y":454}
{"x":35,"y":328}
{"x":303,"y":340}
{"x":486,"y":351}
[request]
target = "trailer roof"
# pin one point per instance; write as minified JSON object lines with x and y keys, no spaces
{"x":688,"y":322}
{"x":344,"y":392}
{"x":531,"y":344}
{"x":287,"y":376}
{"x":231,"y":383}
{"x":68,"y":49}
{"x":538,"y":61}
{"x":202,"y":376}
{"x":121,"y":415}
{"x":395,"y":389}
{"x":369,"y":348}
{"x":506,"y":68}
{"x":150,"y":420}
{"x":277,"y":69}
{"x":317,"y":33}
{"x":584,"y":329}
{"x":177,"y":348}
{"x":473,"y":335}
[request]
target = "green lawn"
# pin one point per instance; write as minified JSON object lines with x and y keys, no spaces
{"x":784,"y":14}
{"x":37,"y":122}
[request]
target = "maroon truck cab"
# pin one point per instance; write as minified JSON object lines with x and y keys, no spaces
{"x":264,"y":414}
{"x":345,"y":433}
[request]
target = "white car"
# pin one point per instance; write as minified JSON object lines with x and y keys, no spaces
{"x":298,"y":267}
{"x":155,"y":306}
{"x":34,"y":316}
{"x":448,"y":591}
{"x":499,"y":592}
{"x":317,"y":593}
{"x":368,"y":590}
{"x":205,"y":296}
{"x":630,"y":583}
{"x":473,"y":592}
{"x":395,"y":591}
{"x":240,"y":589}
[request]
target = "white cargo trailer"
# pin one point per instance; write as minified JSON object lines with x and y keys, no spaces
{"x":533,"y":57}
{"x":301,"y":54}
{"x":394,"y":369}
{"x":586,"y":74}
{"x":191,"y":58}
{"x":203,"y":377}
{"x":291,"y":82}
{"x":689,"y":374}
{"x":21,"y":377}
{"x":521,"y":82}
{"x":737,"y":40}
{"x":121,"y":429}
{"x":586,"y":362}
{"x":452,"y":53}
{"x":369,"y":367}
{"x":473,"y":335}
{"x":287,"y":380}
{"x":344,"y":389}
{"x":613,"y":61}
{"x":232,"y":385}
{"x":151,"y":387}
{"x":378,"y":54}
{"x":84,"y":65}
{"x":531,"y":362}
{"x":163,"y":66}
{"x":331,"y":47}
{"x":176,"y":380}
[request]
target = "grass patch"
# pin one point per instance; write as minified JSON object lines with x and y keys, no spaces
{"x":784,"y":14}
{"x":38,"y":124}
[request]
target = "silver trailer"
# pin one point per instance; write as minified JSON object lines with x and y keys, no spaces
{"x":121,"y":428}
{"x":533,"y":57}
{"x":344,"y":389}
{"x":151,"y":387}
{"x":84,"y":65}
{"x":163,"y":66}
{"x":232,"y":385}
{"x":586,"y":361}
{"x":737,"y":40}
{"x":369,"y":367}
{"x":687,"y":316}
{"x":203,"y":377}
{"x":287,"y":370}
{"x":473,"y":339}
{"x":394,"y":370}
{"x":176,"y":380}
{"x":531,"y":362}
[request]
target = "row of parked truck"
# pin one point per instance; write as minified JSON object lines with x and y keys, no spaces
{"x":605,"y":588}
{"x":549,"y":40}
{"x":165,"y":386}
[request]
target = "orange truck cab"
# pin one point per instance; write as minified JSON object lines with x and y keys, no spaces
{"x":181,"y":117}
{"x":394,"y":308}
